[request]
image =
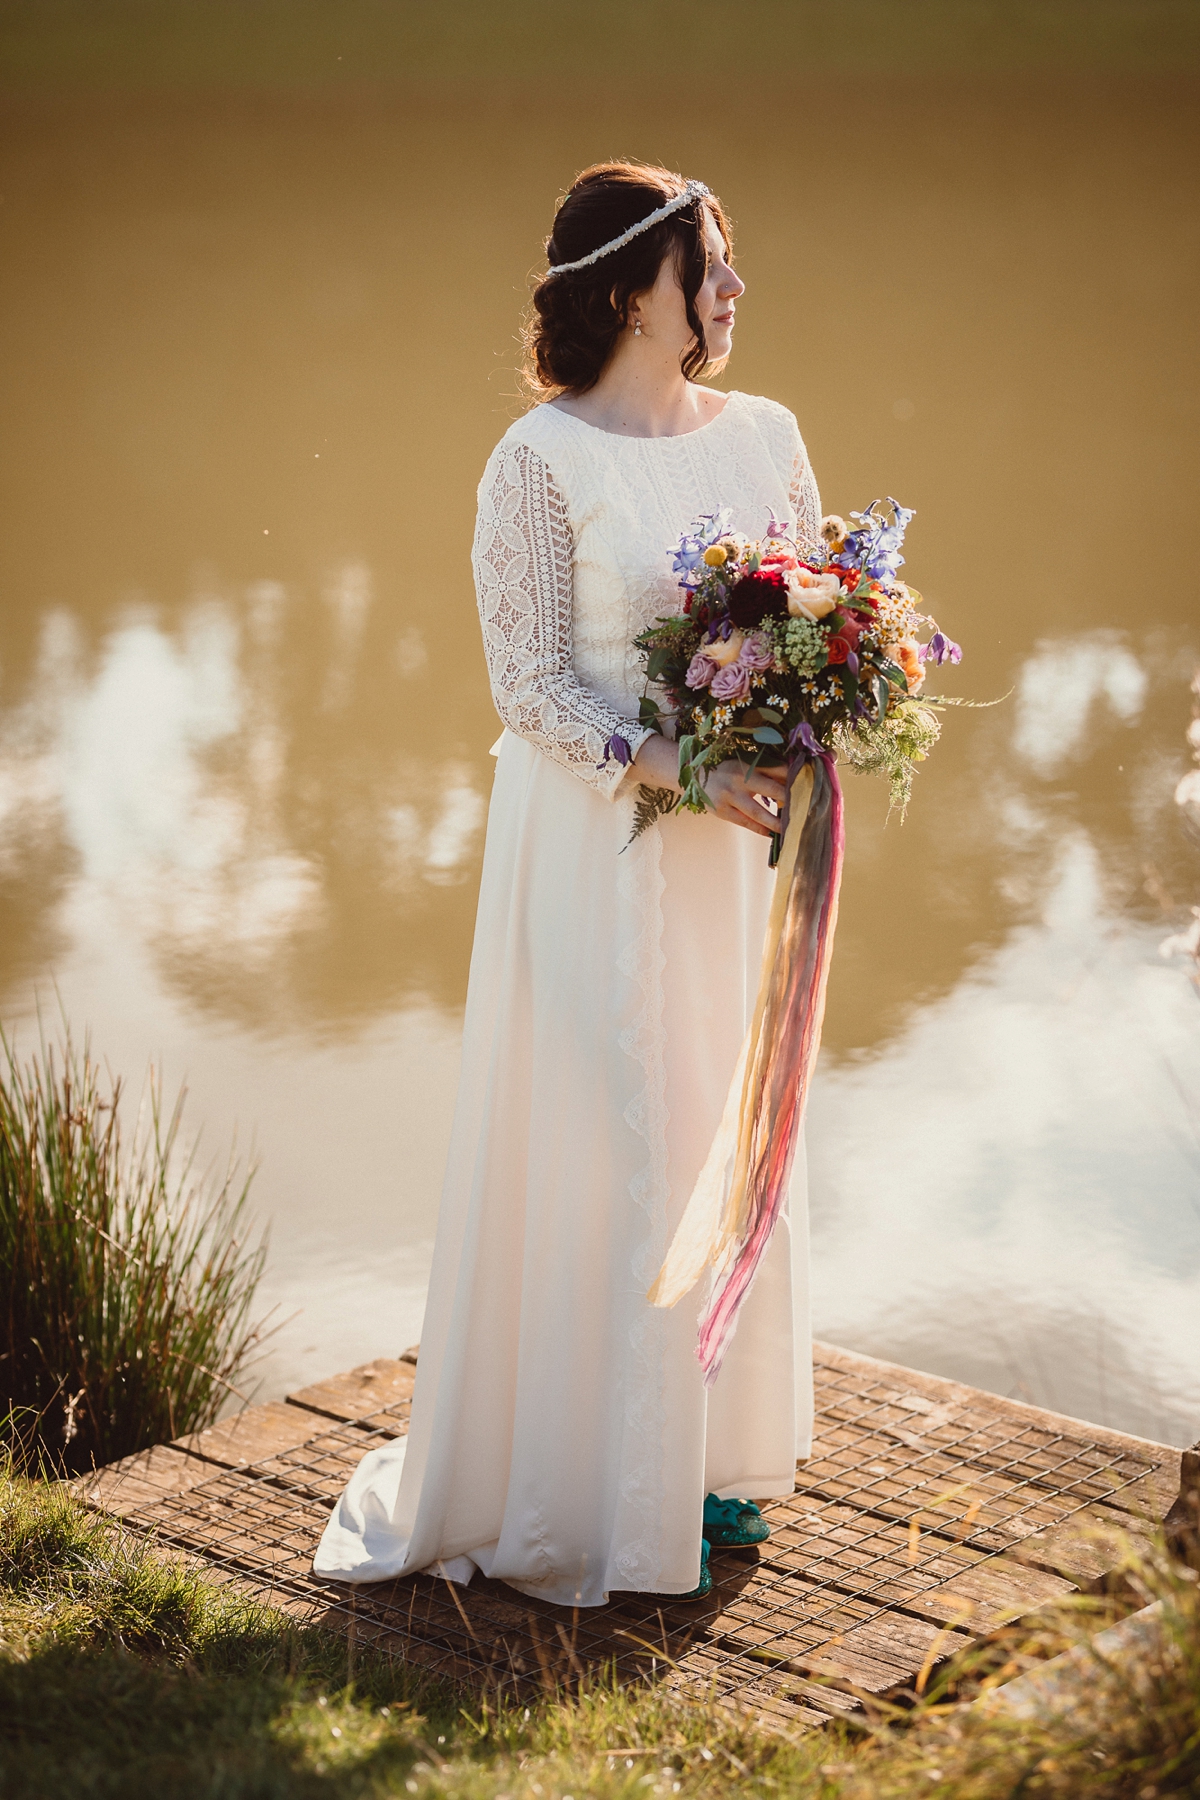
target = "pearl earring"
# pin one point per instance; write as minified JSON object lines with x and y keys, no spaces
{"x":637,"y":329}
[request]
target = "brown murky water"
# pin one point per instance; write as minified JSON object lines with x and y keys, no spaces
{"x":254,"y":352}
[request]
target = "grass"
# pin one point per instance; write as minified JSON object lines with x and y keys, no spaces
{"x":122,"y":1673}
{"x":125,"y":1279}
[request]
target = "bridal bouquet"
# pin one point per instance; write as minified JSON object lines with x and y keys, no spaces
{"x":782,"y":649}
{"x":792,"y":653}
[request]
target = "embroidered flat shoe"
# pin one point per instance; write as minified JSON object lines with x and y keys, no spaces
{"x":705,"y":1585}
{"x":728,"y":1523}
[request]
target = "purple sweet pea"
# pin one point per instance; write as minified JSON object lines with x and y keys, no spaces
{"x":940,"y":649}
{"x":777,"y":528}
{"x":700,"y":671}
{"x":618,"y":749}
{"x":804,"y":737}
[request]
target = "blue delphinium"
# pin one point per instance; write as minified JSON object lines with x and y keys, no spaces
{"x":874,"y":547}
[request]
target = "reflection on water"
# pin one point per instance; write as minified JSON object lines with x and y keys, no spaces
{"x":1009,"y":1190}
{"x":251,"y":376}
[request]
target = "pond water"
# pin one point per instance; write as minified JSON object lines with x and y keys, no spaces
{"x":255,"y":348}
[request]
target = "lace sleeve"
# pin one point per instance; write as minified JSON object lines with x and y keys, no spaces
{"x":522,"y":558}
{"x":803,"y":496}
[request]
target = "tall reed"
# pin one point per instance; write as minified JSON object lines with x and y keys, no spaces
{"x":126,"y":1280}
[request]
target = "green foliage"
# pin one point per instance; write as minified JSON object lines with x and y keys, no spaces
{"x":891,"y":746}
{"x":125,"y":1281}
{"x":124,"y":1674}
{"x":651,"y":804}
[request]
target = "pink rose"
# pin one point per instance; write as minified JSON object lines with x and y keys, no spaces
{"x":756,"y":652}
{"x":700,"y":671}
{"x":731,"y":683}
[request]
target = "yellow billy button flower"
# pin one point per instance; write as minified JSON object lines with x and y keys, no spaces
{"x":716,"y":556}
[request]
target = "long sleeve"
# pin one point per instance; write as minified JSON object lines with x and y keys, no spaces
{"x":522,"y":558}
{"x":804,"y":497}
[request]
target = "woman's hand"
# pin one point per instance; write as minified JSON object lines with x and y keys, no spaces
{"x":736,"y":792}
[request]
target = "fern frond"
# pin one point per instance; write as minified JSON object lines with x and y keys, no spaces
{"x":650,"y":805}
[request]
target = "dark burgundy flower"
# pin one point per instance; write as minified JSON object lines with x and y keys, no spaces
{"x":757,"y":597}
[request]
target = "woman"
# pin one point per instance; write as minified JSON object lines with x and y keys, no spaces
{"x":562,"y":1439}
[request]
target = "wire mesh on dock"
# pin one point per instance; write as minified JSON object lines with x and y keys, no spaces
{"x":927,"y":1514}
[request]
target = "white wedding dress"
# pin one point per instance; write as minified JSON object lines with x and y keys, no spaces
{"x":562,"y":1439}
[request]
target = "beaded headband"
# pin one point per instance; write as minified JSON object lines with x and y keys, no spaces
{"x":694,"y":190}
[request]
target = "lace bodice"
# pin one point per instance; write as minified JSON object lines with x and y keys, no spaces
{"x":572,"y":558}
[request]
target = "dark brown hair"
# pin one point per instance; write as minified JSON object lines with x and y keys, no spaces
{"x":578,"y":317}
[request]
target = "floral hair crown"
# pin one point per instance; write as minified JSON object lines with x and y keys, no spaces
{"x":693,"y":190}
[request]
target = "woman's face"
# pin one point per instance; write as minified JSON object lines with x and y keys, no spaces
{"x":663,"y":314}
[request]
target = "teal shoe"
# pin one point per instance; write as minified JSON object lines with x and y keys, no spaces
{"x":705,"y":1585}
{"x":728,"y":1523}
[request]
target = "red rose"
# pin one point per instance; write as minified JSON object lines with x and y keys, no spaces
{"x":757,"y":597}
{"x":839,"y":650}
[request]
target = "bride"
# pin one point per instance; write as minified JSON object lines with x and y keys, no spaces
{"x":562,"y":1439}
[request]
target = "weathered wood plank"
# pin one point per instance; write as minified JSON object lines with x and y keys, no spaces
{"x":142,"y":1479}
{"x":239,"y":1522}
{"x":1155,"y":1494}
{"x":956,"y":1501}
{"x":320,"y":1467}
{"x":998,"y":1455}
{"x":846,"y":1641}
{"x":945,"y":1491}
{"x":922,"y":1573}
{"x":775,"y":1696}
{"x":386,"y":1382}
{"x":248,"y":1436}
{"x":1088,"y":1547}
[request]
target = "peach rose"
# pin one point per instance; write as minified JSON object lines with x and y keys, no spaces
{"x":905,"y":655}
{"x":723,"y":651}
{"x":812,"y":596}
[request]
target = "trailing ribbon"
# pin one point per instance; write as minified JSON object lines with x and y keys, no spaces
{"x":727,"y":1228}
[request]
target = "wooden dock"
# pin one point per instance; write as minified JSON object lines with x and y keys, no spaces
{"x":928,"y":1514}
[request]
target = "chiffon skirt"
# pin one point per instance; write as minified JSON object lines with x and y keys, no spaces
{"x":562,"y":1439}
